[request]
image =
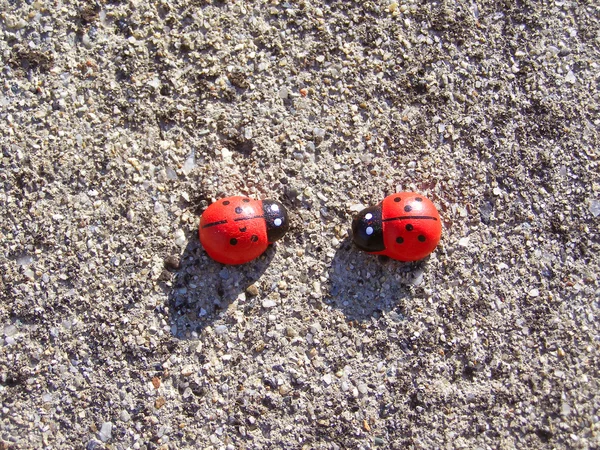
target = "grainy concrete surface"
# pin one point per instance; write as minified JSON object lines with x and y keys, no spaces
{"x":121,"y":121}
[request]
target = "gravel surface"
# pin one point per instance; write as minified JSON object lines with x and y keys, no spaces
{"x":122,"y":121}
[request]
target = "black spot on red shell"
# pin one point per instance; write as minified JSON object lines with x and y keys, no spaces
{"x":399,"y":240}
{"x":397,"y":199}
{"x":408,"y":208}
{"x":421,"y":238}
{"x":233,"y":241}
{"x":409,"y":227}
{"x":238,"y":210}
{"x":226,"y":202}
{"x":418,"y":199}
{"x":254,"y":238}
{"x":243,"y":229}
{"x":245,"y":200}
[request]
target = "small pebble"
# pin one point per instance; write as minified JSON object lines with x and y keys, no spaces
{"x":172,"y":263}
{"x":252,"y":290}
{"x":594,"y":206}
{"x":268,"y":303}
{"x":105,"y":433}
{"x":189,"y":164}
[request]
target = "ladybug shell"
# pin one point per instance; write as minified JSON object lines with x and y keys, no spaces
{"x":406,"y":226}
{"x":233,"y":230}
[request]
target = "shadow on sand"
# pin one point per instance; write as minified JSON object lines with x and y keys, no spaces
{"x":364,"y":286}
{"x":202,"y":288}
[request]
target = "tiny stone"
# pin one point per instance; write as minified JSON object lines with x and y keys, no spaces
{"x":268,"y":304}
{"x":226,"y":154}
{"x":158,"y":207}
{"x":221,"y":329}
{"x":106,"y":431}
{"x":189,"y":164}
{"x":160,"y":402}
{"x":570,"y":77}
{"x":534,"y":292}
{"x":327,"y":379}
{"x":252,"y":290}
{"x":318,"y":132}
{"x":595,"y":208}
{"x":24,"y":260}
{"x":180,"y":239}
{"x":171,"y":174}
{"x":363,"y":388}
{"x":357,"y":207}
{"x":172,"y":263}
{"x":291,"y":332}
{"x":125,"y":416}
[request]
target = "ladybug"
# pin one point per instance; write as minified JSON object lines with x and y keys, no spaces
{"x":405,"y":226}
{"x":235,"y":230}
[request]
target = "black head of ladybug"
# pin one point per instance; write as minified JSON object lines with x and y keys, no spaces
{"x":276,"y":218}
{"x":367,"y":229}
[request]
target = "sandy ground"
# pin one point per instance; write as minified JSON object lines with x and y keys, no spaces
{"x":122,"y":121}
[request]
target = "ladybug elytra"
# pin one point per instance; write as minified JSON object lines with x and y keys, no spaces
{"x":235,"y":230}
{"x":405,"y":226}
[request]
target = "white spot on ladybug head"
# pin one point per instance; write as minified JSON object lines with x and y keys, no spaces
{"x":368,"y":216}
{"x":369,"y":231}
{"x":277,"y":222}
{"x":275,"y":208}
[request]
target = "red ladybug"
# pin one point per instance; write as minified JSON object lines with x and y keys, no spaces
{"x":405,"y":226}
{"x":235,"y":230}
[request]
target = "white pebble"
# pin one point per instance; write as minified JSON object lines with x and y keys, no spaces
{"x":319,"y":132}
{"x":24,"y":260}
{"x":226,"y":154}
{"x":595,"y":208}
{"x":10,"y":330}
{"x":106,"y":431}
{"x":268,"y":303}
{"x":570,"y":77}
{"x":154,"y":83}
{"x":189,"y":164}
{"x":534,"y":292}
{"x":179,"y":238}
{"x":327,"y":379}
{"x":357,"y":207}
{"x":464,"y":242}
{"x":221,"y":329}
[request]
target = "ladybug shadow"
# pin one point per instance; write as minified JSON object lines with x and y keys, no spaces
{"x":365,"y":286}
{"x":202,"y":289}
